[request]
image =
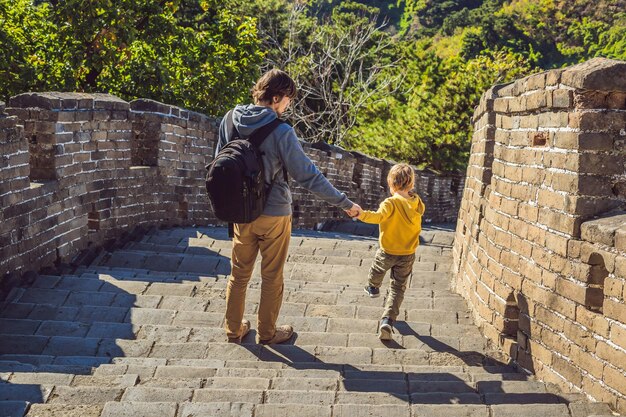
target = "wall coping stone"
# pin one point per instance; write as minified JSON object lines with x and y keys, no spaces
{"x":62,"y":101}
{"x":144,"y":105}
{"x":363,"y":158}
{"x":600,"y":74}
{"x":603,"y":230}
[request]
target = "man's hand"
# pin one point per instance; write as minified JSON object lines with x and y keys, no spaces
{"x":354,"y":211}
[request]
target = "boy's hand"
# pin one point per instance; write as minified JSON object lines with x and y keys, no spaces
{"x":354,"y":211}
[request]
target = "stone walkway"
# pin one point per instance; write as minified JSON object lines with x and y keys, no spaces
{"x":138,"y":333}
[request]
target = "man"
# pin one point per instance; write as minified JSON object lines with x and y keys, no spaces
{"x":271,"y":232}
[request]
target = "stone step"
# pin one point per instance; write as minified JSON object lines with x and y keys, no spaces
{"x":135,"y":281}
{"x":122,"y":322}
{"x":96,"y":292}
{"x":314,"y":353}
{"x":436,"y":237}
{"x":205,"y":368}
{"x":102,"y":349}
{"x":297,"y":303}
{"x":84,"y":390}
{"x":297,"y":253}
{"x":243,"y":409}
{"x":188,"y":378}
{"x":407,"y":335}
{"x":320,"y":268}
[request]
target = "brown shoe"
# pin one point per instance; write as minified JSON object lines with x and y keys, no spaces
{"x":245,"y":329}
{"x":283,"y":333}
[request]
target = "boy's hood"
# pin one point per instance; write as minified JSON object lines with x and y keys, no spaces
{"x":250,"y":117}
{"x":411,"y":208}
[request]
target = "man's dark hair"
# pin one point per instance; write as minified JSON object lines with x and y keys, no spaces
{"x":273,"y":83}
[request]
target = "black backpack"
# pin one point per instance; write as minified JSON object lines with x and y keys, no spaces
{"x":235,"y":181}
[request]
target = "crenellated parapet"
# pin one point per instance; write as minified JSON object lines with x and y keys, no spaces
{"x":539,"y":251}
{"x":78,"y":170}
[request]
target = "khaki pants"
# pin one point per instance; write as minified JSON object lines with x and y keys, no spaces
{"x":401,"y":267}
{"x":271,"y":235}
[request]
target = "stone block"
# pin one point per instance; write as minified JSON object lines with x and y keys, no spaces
{"x":179,"y":350}
{"x":322,"y":398}
{"x":450,"y":410}
{"x":220,"y":409}
{"x":84,"y":395}
{"x":230,"y":395}
{"x":615,"y":310}
{"x":602,"y":230}
{"x":598,"y":74}
{"x":139,"y":409}
{"x":515,"y":410}
{"x":371,"y":398}
{"x":583,"y":409}
{"x":154,"y":394}
{"x":64,"y":410}
{"x":562,"y":99}
{"x":358,"y":410}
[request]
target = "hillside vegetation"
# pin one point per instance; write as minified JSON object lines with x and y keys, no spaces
{"x":395,"y":79}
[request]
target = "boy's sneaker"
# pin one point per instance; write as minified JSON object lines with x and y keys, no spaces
{"x":386,"y":329}
{"x":283,"y":333}
{"x":373,"y":292}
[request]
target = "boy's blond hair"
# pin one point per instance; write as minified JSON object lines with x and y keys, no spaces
{"x":401,"y":177}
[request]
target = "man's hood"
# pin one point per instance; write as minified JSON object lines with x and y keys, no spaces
{"x":411,"y":208}
{"x":250,"y":117}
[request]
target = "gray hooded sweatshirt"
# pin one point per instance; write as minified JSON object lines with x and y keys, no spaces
{"x":281,"y":148}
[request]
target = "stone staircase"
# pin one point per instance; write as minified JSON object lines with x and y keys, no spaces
{"x":138,"y":332}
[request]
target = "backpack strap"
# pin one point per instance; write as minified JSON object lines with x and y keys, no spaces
{"x":259,"y":135}
{"x":234,"y":133}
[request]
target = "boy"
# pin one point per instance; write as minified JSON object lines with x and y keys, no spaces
{"x":400,"y":220}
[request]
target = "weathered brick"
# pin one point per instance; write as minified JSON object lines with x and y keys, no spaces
{"x":568,"y":370}
{"x":615,"y":378}
{"x":610,"y":354}
{"x":562,"y":98}
{"x":615,"y":310}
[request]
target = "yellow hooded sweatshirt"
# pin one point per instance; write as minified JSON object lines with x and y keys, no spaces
{"x":400,"y":221}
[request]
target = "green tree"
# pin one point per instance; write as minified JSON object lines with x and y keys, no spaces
{"x":196,"y":54}
{"x":589,"y":38}
{"x":28,"y":48}
{"x":337,"y":67}
{"x":430,"y":124}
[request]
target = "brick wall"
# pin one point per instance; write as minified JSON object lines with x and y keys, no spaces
{"x":78,"y":170}
{"x":545,"y":279}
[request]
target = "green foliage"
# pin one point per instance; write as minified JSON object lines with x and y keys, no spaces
{"x":472,"y":44}
{"x":429,"y":124}
{"x":196,"y":54}
{"x":588,"y":38}
{"x":27,"y":46}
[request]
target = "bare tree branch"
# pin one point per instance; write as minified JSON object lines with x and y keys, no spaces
{"x":337,"y":74}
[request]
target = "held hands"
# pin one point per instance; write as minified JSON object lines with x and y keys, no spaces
{"x":354,"y":211}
